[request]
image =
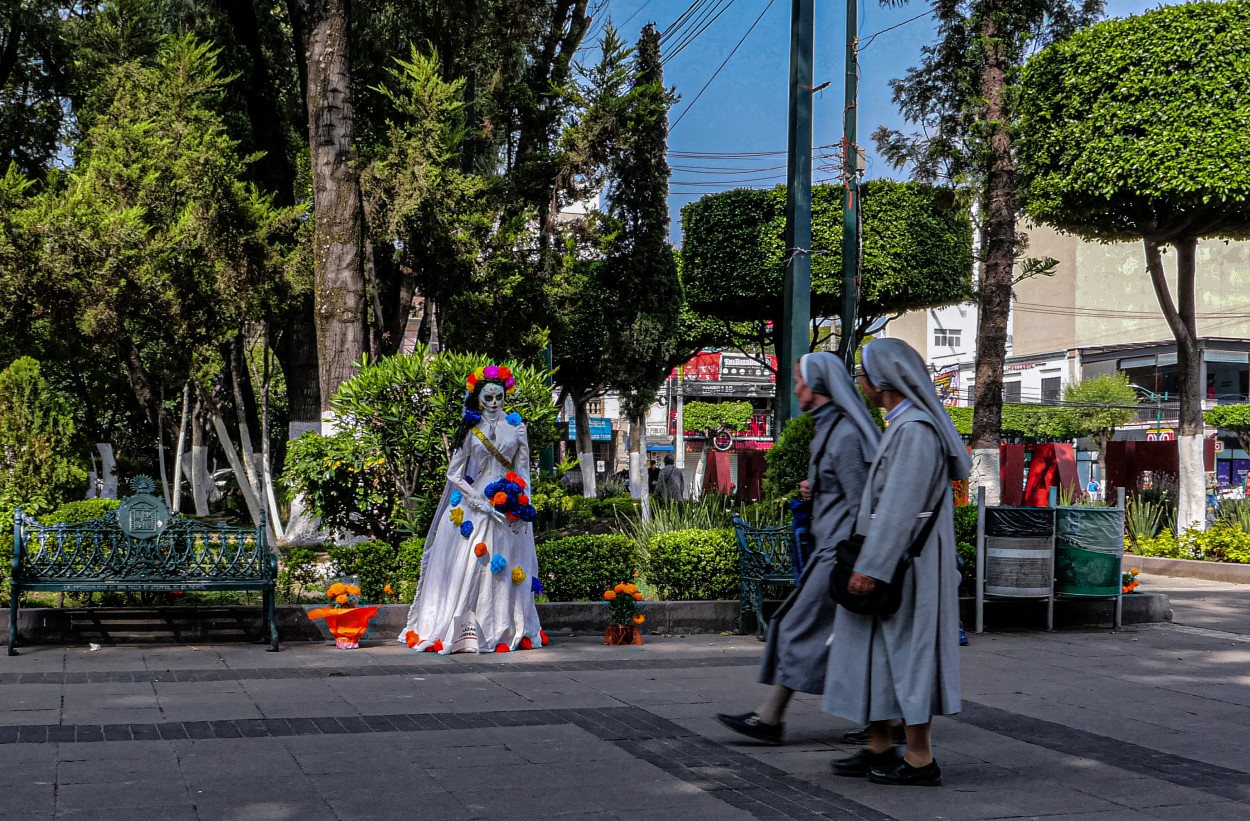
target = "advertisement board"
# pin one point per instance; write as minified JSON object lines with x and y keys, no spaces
{"x":946,"y":383}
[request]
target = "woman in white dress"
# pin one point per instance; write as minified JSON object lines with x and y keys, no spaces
{"x":476,"y":592}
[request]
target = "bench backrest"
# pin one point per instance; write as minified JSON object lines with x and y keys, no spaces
{"x":140,"y":543}
{"x":763,"y":551}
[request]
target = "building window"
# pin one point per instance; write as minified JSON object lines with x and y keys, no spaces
{"x":946,"y":337}
{"x":1050,"y":389}
{"x":1011,"y":392}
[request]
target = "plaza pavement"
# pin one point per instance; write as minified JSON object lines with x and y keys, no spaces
{"x":1097,"y":725}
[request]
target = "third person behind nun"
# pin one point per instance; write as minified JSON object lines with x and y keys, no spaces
{"x":844,"y":443}
{"x":902,"y":667}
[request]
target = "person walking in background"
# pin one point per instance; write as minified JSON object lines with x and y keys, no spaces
{"x":904,"y":666}
{"x":670,"y":485}
{"x":843,"y":446}
{"x":653,"y":473}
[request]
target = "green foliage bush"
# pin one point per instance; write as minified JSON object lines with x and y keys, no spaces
{"x":39,"y":467}
{"x":788,"y":459}
{"x":694,"y":565}
{"x":580,"y":568}
{"x":730,"y":416}
{"x":393,"y":419}
{"x":408,"y":568}
{"x":299,"y":575}
{"x":80,"y":511}
{"x":966,"y":524}
{"x":374,"y":563}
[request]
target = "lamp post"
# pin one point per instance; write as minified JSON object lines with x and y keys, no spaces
{"x":1158,"y":399}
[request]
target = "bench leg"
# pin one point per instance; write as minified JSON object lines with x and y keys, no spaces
{"x":271,"y":618}
{"x":761,"y":626}
{"x":13,"y":597}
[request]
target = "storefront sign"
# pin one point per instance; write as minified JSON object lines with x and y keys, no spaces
{"x":740,"y":367}
{"x":946,"y":383}
{"x":723,"y":441}
{"x":600,"y":429}
{"x":1161,"y":435}
{"x":703,"y":367}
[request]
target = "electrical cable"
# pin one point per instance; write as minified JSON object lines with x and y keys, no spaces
{"x":864,"y":42}
{"x":694,"y":35}
{"x":721,"y":66}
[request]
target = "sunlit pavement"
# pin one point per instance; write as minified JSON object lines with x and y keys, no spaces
{"x":1143,"y":723}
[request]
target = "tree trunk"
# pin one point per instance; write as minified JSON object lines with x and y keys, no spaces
{"x":266,"y":463}
{"x":238,"y":373}
{"x":1182,"y":320}
{"x":998,"y":247}
{"x":297,"y":354}
{"x":200,"y":477}
{"x":338,"y":242}
{"x":637,"y":466}
{"x":213,"y":404}
{"x":108,"y":471}
{"x":585,"y":449}
{"x":141,"y":383}
{"x":176,"y":496}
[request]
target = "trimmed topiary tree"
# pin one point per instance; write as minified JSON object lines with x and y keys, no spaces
{"x":1135,"y":130}
{"x":39,"y":468}
{"x":1233,"y":418}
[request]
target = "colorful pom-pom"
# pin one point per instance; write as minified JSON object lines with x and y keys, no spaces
{"x":436,"y":647}
{"x":522,"y":499}
{"x":526,"y":644}
{"x":536,"y":586}
{"x":412,"y":639}
{"x":455,"y":497}
{"x":466,"y":529}
{"x":498,"y":563}
{"x":480,"y":549}
{"x":499,"y":498}
{"x":542,"y":634}
{"x":514,"y":419}
{"x":456,"y":516}
{"x":518,"y":575}
{"x":491,"y":371}
{"x":503,"y":372}
{"x":502,"y":648}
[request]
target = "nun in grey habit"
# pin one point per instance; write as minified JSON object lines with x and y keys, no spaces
{"x":904,"y":666}
{"x":842,"y":448}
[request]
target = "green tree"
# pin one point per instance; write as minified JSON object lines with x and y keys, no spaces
{"x":639,"y":260}
{"x":917,"y":254}
{"x":34,"y":78}
{"x":1232,"y":418}
{"x":1128,"y":130}
{"x":381,"y":475}
{"x":714,"y":416}
{"x":40,"y":467}
{"x":962,"y":97}
{"x":1097,"y":406}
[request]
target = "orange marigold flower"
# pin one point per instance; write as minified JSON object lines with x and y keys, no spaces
{"x":504,"y":372}
{"x":353,"y":590}
{"x":620,"y":588}
{"x":631,"y":588}
{"x":639,"y":619}
{"x":336,"y":588}
{"x":609,"y":595}
{"x":1134,"y":570}
{"x":637,"y":596}
{"x":388,"y":590}
{"x":341,"y":598}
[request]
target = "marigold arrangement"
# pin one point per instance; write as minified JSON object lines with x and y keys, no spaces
{"x":623,"y":604}
{"x":346,"y":620}
{"x":1130,"y":583}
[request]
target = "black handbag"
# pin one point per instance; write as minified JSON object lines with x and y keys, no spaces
{"x":885,"y":597}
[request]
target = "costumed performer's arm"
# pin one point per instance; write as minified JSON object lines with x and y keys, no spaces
{"x":473,"y":497}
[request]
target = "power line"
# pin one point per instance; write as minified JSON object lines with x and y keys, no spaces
{"x":866,"y":41}
{"x":637,"y":11}
{"x":721,"y":66}
{"x":693,"y":35}
{"x":744,"y":154}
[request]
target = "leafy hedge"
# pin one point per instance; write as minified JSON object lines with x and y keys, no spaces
{"x":377,"y":565}
{"x":788,"y":459}
{"x":580,"y":568}
{"x":694,"y":565}
{"x":1222,"y":542}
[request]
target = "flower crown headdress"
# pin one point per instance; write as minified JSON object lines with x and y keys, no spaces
{"x":492,"y":373}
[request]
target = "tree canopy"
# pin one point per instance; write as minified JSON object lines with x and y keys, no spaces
{"x":917,"y":251}
{"x":1232,"y":418}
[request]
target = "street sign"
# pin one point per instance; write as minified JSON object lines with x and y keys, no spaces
{"x":1161,"y":435}
{"x":722,"y":441}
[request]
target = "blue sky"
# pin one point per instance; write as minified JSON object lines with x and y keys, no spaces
{"x":744,"y":109}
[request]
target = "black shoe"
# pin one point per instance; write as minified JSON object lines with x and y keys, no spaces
{"x":897,"y":735}
{"x":749,"y":725}
{"x":904,"y":774}
{"x":859,"y":765}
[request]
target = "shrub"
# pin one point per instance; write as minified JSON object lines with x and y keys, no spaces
{"x":788,"y":459}
{"x":608,"y":488}
{"x":1222,"y":542}
{"x":772,"y":512}
{"x":694,"y":565}
{"x":78,"y":512}
{"x":408,"y":569}
{"x":580,"y":568}
{"x":300,"y":572}
{"x":966,"y":524}
{"x":1164,"y":545}
{"x":374,"y":563}
{"x":1236,"y":512}
{"x":613,"y":506}
{"x":38,"y":463}
{"x":708,"y":512}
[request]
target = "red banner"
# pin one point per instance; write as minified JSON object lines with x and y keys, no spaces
{"x":703,"y":367}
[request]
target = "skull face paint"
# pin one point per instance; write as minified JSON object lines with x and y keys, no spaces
{"x":491,"y":398}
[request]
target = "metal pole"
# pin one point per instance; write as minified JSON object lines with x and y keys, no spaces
{"x":851,"y":217}
{"x":797,"y":288}
{"x":547,"y":456}
{"x":679,"y":445}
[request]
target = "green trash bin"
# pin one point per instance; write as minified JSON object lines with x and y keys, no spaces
{"x":1089,"y":546}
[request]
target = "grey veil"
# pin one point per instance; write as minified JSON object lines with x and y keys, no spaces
{"x":892,"y":364}
{"x":825,"y":374}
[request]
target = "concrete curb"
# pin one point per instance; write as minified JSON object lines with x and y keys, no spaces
{"x":1191,"y":569}
{"x":56,"y":625}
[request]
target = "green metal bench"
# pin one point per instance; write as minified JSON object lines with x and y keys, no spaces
{"x":765,"y":559}
{"x":141,"y":547}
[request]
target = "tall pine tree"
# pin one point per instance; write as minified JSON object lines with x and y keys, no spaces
{"x":963,"y":97}
{"x":640,"y":262}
